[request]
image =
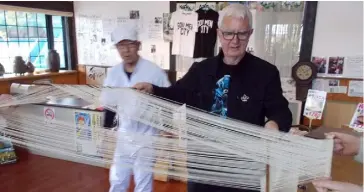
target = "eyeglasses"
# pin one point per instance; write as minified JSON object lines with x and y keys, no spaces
{"x":242,"y":36}
{"x":125,"y":46}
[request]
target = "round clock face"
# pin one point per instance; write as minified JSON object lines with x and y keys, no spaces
{"x":304,"y":72}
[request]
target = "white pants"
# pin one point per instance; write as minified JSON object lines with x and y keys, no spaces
{"x":120,"y":174}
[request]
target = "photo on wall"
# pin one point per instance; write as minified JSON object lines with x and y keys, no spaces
{"x":134,"y":14}
{"x":321,"y":63}
{"x":336,"y":65}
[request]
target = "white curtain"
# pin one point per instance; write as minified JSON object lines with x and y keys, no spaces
{"x":277,"y":38}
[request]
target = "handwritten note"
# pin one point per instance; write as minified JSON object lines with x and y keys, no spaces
{"x":354,"y":67}
{"x":95,"y":75}
{"x":355,"y":89}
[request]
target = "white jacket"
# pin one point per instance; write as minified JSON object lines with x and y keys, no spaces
{"x":145,"y":71}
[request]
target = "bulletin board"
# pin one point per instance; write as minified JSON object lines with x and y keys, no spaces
{"x":94,"y":22}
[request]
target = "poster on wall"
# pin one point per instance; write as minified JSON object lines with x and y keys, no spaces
{"x":357,"y":119}
{"x":155,"y":28}
{"x":95,"y":75}
{"x":89,"y":33}
{"x":315,"y":104}
{"x":167,"y":29}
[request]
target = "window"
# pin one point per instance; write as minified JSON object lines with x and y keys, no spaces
{"x":29,"y":35}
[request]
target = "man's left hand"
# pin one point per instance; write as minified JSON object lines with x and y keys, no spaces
{"x":271,"y":125}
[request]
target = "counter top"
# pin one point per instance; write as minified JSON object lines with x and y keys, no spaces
{"x":8,"y":77}
{"x":74,"y":103}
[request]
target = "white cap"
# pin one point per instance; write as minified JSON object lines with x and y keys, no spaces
{"x":125,"y":32}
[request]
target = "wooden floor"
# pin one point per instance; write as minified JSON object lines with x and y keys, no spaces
{"x":34,"y":173}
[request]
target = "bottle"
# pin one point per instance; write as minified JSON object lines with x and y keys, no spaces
{"x":53,"y":61}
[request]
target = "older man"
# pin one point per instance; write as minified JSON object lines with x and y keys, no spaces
{"x":132,"y":70}
{"x":233,"y":84}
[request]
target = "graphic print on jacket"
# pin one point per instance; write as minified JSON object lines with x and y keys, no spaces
{"x":221,"y":96}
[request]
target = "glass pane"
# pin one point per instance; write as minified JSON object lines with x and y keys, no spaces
{"x":13,"y":49}
{"x":5,"y":61}
{"x":33,"y":32}
{"x":36,"y":62}
{"x":42,"y":64}
{"x":42,"y":34}
{"x":4,"y":49}
{"x":24,"y":49}
{"x":10,"y":17}
{"x":23,"y":33}
{"x":58,"y":34}
{"x":2,"y":17}
{"x":43,"y":46}
{"x":41,"y":20}
{"x":12,"y":33}
{"x":3,"y":33}
{"x":34,"y":49}
{"x":57,"y":21}
{"x":21,"y":18}
{"x":32,"y":59}
{"x":32,"y":19}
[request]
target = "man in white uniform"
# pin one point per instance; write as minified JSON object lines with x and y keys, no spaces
{"x":132,"y":70}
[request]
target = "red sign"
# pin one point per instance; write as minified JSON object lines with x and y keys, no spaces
{"x":49,"y":113}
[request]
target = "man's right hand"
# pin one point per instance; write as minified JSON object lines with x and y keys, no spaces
{"x":144,"y":87}
{"x":345,"y":144}
{"x":325,"y":185}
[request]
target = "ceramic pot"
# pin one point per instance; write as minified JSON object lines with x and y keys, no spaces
{"x":30,"y":67}
{"x":2,"y":70}
{"x":53,"y":61}
{"x":19,"y":65}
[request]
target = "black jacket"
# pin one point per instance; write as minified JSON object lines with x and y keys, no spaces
{"x":255,"y":78}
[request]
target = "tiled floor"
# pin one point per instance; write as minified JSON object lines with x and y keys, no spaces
{"x":33,"y":173}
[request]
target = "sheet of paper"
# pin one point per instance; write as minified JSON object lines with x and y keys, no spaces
{"x":315,"y":104}
{"x":355,"y":88}
{"x":354,"y":67}
{"x":155,"y":28}
{"x":329,"y":85}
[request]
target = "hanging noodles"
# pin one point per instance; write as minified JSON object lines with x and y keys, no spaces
{"x":203,"y":147}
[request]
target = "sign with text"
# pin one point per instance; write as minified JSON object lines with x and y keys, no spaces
{"x":315,"y":104}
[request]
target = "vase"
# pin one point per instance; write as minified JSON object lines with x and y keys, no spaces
{"x":19,"y":66}
{"x":53,"y":61}
{"x":2,"y":70}
{"x":30,"y":67}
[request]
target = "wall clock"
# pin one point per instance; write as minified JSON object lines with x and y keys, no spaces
{"x":303,"y":72}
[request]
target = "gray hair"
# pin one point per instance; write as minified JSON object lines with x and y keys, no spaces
{"x":235,"y":10}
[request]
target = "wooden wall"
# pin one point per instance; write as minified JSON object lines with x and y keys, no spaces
{"x":339,"y":108}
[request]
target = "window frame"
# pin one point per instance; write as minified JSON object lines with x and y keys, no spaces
{"x":50,"y":35}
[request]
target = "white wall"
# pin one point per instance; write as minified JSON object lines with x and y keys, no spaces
{"x":148,"y":10}
{"x":339,"y":29}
